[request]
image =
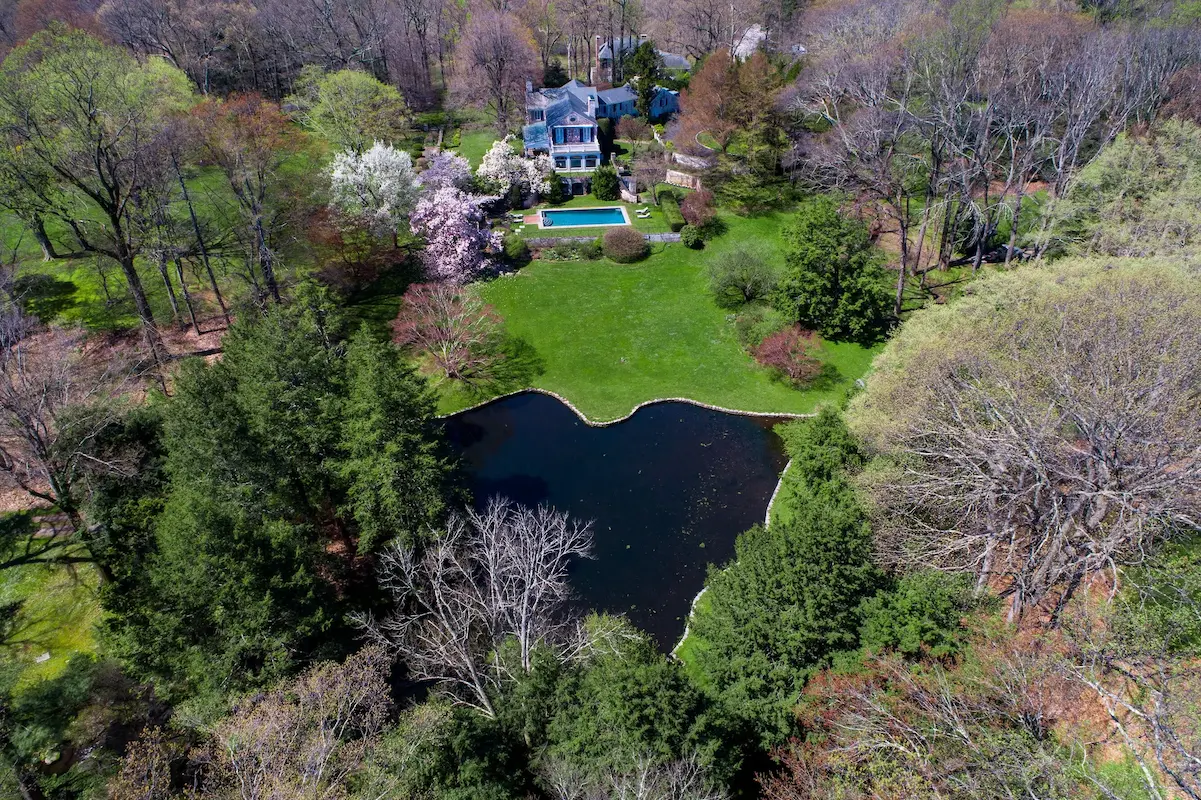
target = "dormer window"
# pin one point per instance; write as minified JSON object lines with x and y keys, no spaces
{"x":536,"y":115}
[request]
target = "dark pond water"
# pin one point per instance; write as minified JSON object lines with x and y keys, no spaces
{"x":668,"y":490}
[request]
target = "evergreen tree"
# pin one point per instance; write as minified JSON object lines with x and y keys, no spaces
{"x":605,"y":185}
{"x":283,"y":461}
{"x":832,"y":282}
{"x":789,"y":601}
{"x":645,"y":67}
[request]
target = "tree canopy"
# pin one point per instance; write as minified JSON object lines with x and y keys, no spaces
{"x":832,"y":281}
{"x":296,"y":452}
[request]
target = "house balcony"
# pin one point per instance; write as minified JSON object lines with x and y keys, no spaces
{"x":575,"y":147}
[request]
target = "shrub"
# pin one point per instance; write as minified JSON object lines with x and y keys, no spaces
{"x":517,"y":252}
{"x":671,"y":211}
{"x":755,"y":322}
{"x":697,"y":208}
{"x":740,"y":277}
{"x":594,"y":249}
{"x":624,"y":245}
{"x":920,"y":615}
{"x":790,"y":353}
{"x":604,"y":183}
{"x":563,"y":251}
{"x":554,"y":195}
{"x":692,"y":237}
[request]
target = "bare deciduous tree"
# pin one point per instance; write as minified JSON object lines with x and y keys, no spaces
{"x":304,"y":738}
{"x":1043,"y":430}
{"x":644,"y":777}
{"x":493,"y":60}
{"x":56,"y":398}
{"x":454,"y":327}
{"x":492,"y":577}
{"x":1137,"y":657}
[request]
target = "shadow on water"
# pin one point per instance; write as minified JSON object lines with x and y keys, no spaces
{"x":668,"y":490}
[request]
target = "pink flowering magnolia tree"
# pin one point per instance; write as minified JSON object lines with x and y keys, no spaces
{"x":446,"y":171}
{"x":456,"y":243}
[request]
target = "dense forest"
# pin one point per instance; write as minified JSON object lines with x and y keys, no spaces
{"x":253,"y":253}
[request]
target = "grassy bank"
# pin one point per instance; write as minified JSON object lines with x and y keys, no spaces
{"x":609,"y":336}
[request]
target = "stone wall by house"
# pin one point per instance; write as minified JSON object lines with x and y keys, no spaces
{"x":692,"y":162}
{"x":677,"y":178}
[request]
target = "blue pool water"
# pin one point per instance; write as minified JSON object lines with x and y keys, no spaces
{"x":576,"y":217}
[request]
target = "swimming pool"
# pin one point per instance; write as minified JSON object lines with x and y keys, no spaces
{"x":583,"y":217}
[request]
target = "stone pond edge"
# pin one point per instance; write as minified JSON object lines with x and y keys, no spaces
{"x":606,"y":423}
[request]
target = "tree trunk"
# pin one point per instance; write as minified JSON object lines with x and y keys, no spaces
{"x":187,"y":295}
{"x":204,"y":254}
{"x":266,"y":261}
{"x":161,"y":263}
{"x":1013,"y":233}
{"x":38,"y":226}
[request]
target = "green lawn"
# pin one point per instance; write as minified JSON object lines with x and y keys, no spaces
{"x":608,"y":336}
{"x":57,"y":614}
{"x":473,"y":143}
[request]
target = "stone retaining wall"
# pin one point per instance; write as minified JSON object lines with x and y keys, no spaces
{"x":551,"y":241}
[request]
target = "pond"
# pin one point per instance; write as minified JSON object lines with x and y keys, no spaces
{"x":668,"y":490}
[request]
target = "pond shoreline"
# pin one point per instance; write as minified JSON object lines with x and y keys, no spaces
{"x":701,"y":593}
{"x":606,"y":423}
{"x":668,"y":492}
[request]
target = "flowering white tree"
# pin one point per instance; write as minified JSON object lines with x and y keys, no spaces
{"x":507,"y":168}
{"x":378,"y":187}
{"x":455,"y":243}
{"x":446,"y":170}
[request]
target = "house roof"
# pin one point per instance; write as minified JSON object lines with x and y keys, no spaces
{"x":567,"y":105}
{"x":624,"y":45}
{"x":536,"y":136}
{"x":618,"y":94}
{"x":674,"y":61}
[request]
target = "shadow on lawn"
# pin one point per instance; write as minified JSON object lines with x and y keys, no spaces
{"x":44,"y":296}
{"x":516,"y":371}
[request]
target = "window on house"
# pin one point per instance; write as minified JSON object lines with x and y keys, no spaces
{"x":590,"y":162}
{"x":560,"y":163}
{"x":575,"y":162}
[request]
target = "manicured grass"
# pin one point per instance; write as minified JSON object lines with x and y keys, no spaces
{"x":475,"y":142}
{"x":692,"y":645}
{"x":608,"y":336}
{"x":58,"y":613}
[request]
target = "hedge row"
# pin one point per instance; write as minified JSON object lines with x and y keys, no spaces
{"x":671,"y":211}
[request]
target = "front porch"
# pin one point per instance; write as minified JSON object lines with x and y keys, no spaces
{"x":577,"y":158}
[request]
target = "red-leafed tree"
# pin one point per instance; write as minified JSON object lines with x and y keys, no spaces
{"x":451,"y":325}
{"x":697,"y":208}
{"x":791,"y":352}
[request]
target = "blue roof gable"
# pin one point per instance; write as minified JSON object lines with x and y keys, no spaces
{"x":536,"y":137}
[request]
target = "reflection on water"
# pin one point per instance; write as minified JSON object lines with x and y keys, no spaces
{"x":668,"y":490}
